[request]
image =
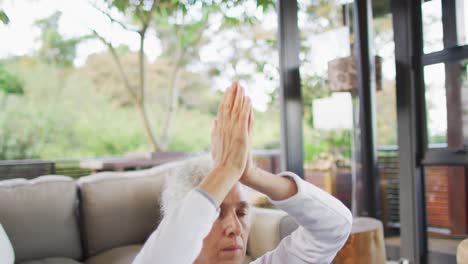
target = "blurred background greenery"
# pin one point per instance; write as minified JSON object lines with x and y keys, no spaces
{"x":53,"y":108}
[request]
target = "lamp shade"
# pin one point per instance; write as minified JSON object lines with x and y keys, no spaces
{"x":342,"y":74}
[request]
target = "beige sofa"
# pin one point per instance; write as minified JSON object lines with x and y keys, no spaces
{"x":103,"y":218}
{"x":462,"y":252}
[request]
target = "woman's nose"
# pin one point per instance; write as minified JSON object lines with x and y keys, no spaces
{"x":232,"y":226}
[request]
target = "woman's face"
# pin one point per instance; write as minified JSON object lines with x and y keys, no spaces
{"x":227,"y":241}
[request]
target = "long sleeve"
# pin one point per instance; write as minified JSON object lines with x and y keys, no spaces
{"x":324,"y":226}
{"x":179,"y":237}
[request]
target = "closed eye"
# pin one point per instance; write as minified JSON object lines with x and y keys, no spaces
{"x":242,"y":213}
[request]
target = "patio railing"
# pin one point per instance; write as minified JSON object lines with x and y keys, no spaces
{"x":29,"y":169}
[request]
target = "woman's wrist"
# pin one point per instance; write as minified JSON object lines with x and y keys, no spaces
{"x":250,"y":176}
{"x":274,"y":186}
{"x":228,"y":171}
{"x":219,"y":182}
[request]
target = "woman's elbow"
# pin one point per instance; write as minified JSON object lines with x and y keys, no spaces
{"x":345,"y":227}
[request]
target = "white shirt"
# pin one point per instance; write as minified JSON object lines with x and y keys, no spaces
{"x":324,"y":226}
{"x":7,"y":255}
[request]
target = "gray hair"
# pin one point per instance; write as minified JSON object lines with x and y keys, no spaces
{"x":183,"y":179}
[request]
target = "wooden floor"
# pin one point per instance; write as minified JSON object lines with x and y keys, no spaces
{"x":441,"y":250}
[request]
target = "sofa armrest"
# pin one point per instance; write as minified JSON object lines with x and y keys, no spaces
{"x":462,"y":252}
{"x":269,"y":227}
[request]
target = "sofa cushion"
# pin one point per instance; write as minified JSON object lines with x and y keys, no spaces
{"x":265,"y":232}
{"x":39,"y":217}
{"x":53,"y":261}
{"x":6,"y":250}
{"x":120,"y":255}
{"x":462,"y":252}
{"x":120,"y":208}
{"x":247,"y":259}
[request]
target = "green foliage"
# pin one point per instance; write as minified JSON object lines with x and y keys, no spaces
{"x":9,"y":83}
{"x":17,"y":136}
{"x":141,"y":10}
{"x":381,"y":8}
{"x":181,"y":35}
{"x":138,"y":9}
{"x":266,"y":4}
{"x":181,"y":39}
{"x":243,"y":19}
{"x":314,"y":150}
{"x":65,"y":116}
{"x":335,"y":142}
{"x":121,"y":5}
{"x":386,"y":118}
{"x":230,"y":22}
{"x":4,"y":17}
{"x":55,"y":49}
{"x":194,"y":92}
{"x":85,"y":112}
{"x":437,"y":139}
{"x":322,"y":16}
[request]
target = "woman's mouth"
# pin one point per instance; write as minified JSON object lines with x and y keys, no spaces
{"x":232,"y":248}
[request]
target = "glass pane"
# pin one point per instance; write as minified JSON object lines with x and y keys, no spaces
{"x":437,"y":198}
{"x":246,"y":51}
{"x":446,"y":104}
{"x":432,"y":26}
{"x":387,"y":140}
{"x":327,"y":116}
{"x":465,"y":21}
{"x":331,"y":105}
{"x":446,"y":210}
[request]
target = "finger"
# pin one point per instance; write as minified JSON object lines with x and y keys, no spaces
{"x":223,"y":102}
{"x":230,"y":96}
{"x":214,"y":144}
{"x":213,"y":128}
{"x":238,"y":99}
{"x":244,"y":115}
{"x":251,"y":121}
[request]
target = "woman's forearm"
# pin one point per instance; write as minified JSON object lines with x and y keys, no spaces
{"x":179,"y":236}
{"x":276,"y":187}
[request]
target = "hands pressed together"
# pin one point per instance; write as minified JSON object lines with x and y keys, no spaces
{"x":231,"y":139}
{"x":231,"y":135}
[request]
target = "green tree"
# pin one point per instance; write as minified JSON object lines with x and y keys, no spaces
{"x":192,"y":85}
{"x":55,"y":49}
{"x":181,"y":42}
{"x":322,"y":16}
{"x":182,"y":35}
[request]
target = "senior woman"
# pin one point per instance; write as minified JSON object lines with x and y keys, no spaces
{"x":211,"y":224}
